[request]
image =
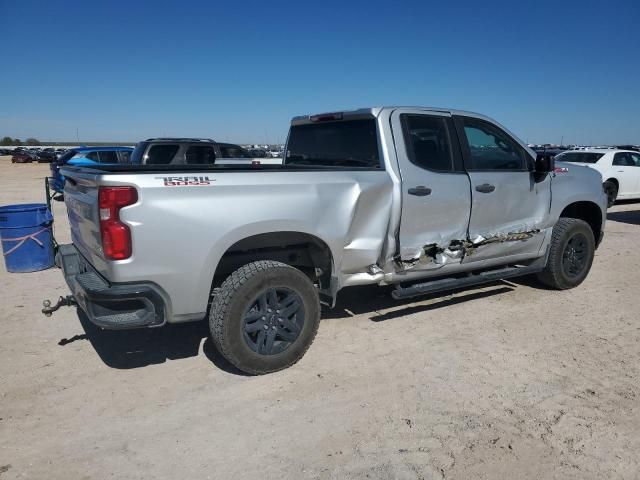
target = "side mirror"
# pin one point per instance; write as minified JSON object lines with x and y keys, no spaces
{"x":545,"y":164}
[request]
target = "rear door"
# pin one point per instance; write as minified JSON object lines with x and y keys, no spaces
{"x":508,"y":207}
{"x":435,"y":188}
{"x":625,"y":170}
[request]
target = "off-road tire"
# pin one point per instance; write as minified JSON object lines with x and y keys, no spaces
{"x":238,"y":292}
{"x":555,"y":274}
{"x":611,"y":190}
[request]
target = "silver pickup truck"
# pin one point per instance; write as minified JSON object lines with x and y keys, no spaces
{"x":421,"y":198}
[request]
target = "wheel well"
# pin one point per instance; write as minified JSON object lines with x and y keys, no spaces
{"x":301,"y":250}
{"x":614,"y":181}
{"x":587,"y":211}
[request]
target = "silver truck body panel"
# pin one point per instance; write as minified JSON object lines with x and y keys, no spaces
{"x":349,"y":211}
{"x":375,"y":231}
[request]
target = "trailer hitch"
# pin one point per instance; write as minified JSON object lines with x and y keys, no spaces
{"x":68,"y":301}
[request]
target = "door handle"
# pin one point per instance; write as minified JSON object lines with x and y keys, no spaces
{"x":485,"y":188}
{"x":420,"y":191}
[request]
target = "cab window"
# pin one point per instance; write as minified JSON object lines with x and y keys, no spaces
{"x":490,"y":148}
{"x":427,"y":142}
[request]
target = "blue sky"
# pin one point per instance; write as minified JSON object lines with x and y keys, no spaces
{"x":239,"y":70}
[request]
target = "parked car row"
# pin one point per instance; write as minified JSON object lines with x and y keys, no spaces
{"x":29,"y":155}
{"x":619,"y":167}
{"x":157,"y":151}
{"x":85,"y":156}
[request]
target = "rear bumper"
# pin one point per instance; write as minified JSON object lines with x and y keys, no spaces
{"x":110,"y":305}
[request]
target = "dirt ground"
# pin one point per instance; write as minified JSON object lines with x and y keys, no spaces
{"x":503,"y":382}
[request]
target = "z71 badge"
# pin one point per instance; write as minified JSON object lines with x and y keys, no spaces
{"x":185,"y":181}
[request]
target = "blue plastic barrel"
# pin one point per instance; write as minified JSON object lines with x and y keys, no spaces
{"x":27,"y":242}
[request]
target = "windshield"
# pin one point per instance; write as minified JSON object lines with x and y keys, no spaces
{"x":346,"y":143}
{"x":579,"y":157}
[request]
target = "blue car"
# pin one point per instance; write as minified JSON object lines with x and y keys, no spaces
{"x":86,"y":156}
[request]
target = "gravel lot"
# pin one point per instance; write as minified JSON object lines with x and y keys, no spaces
{"x":508,"y":381}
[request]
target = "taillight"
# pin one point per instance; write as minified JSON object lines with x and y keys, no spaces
{"x":116,"y":236}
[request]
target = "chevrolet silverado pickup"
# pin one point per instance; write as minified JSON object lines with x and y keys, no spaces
{"x":422,"y":199}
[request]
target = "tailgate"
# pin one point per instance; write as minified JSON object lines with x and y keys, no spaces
{"x":81,"y":198}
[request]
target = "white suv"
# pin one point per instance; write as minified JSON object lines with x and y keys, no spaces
{"x":620,"y":170}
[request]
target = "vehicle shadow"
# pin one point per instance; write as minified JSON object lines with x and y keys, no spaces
{"x":630,"y":216}
{"x":372,"y":299}
{"x":126,"y":349}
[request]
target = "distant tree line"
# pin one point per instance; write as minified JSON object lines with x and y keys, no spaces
{"x":8,"y":141}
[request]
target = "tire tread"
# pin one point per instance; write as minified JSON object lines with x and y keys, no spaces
{"x":551,"y":275}
{"x":221,"y":304}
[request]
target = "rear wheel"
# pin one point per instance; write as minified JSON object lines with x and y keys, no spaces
{"x":611,"y":189}
{"x":264,"y":317}
{"x":571,"y":254}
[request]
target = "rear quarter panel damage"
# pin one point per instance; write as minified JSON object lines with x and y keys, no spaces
{"x":348,"y":210}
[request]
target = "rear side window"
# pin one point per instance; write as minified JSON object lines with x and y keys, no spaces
{"x":351,"y":143}
{"x":636,"y":159}
{"x":623,"y":159}
{"x":93,"y":156}
{"x":490,"y":148}
{"x":200,"y":155}
{"x":579,"y":157}
{"x":160,"y":154}
{"x":108,"y":157}
{"x":233,"y":151}
{"x":125,"y":156}
{"x":427,"y":142}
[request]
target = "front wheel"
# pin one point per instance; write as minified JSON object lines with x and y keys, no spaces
{"x":570,"y":256}
{"x":264,"y":317}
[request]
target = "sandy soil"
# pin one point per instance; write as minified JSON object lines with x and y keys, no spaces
{"x":508,"y":381}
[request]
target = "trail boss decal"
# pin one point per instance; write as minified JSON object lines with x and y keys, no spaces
{"x":185,"y":181}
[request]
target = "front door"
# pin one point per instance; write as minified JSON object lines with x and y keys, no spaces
{"x":436,"y":200}
{"x":508,"y":207}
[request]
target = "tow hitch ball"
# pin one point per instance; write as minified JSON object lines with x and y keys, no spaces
{"x":67,"y":301}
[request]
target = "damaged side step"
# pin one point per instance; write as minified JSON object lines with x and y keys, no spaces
{"x":443,"y":284}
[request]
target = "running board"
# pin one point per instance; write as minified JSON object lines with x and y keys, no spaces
{"x":487,"y":276}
